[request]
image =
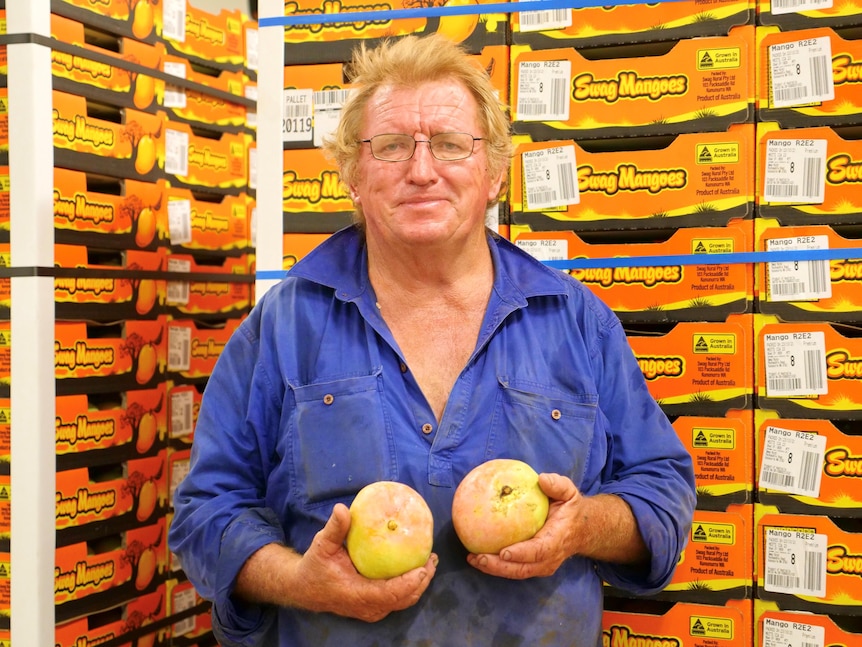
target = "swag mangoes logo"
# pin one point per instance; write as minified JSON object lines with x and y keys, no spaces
{"x":80,"y":129}
{"x":206,"y":220}
{"x":840,"y":365}
{"x":83,"y":429}
{"x":843,"y":169}
{"x":838,"y":462}
{"x":840,"y":561}
{"x":622,"y":636}
{"x":656,"y":367}
{"x":648,"y":276}
{"x":628,"y":177}
{"x":80,"y":207}
{"x":846,"y":70}
{"x":326,"y":186}
{"x":628,"y":85}
{"x":84,"y":502}
{"x":83,"y":576}
{"x":335,"y":6}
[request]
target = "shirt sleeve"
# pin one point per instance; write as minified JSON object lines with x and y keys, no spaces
{"x":220,"y":516}
{"x":647,"y":464}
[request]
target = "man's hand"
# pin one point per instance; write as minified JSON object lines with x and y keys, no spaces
{"x":324,"y":578}
{"x":600,"y":527}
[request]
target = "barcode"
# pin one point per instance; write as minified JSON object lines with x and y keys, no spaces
{"x":559,"y":96}
{"x":787,"y":4}
{"x":296,"y":110}
{"x":811,"y":175}
{"x":776,"y":189}
{"x":783,"y":383}
{"x":770,"y":476}
{"x":821,"y":73}
{"x":782,"y":580}
{"x":541,"y":196}
{"x":791,"y":94}
{"x":788,"y":288}
{"x":567,"y":184}
{"x":529,"y":108}
{"x":808,"y":471}
{"x":812,"y":566}
{"x":330,"y":98}
{"x":812,"y":361}
{"x":818,"y":277}
{"x":533,"y":18}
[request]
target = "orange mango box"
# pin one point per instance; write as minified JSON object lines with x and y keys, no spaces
{"x":208,"y":295}
{"x":684,"y":624}
{"x":128,"y":145}
{"x":123,"y":425}
{"x":97,"y":575}
{"x":722,"y":450}
{"x":314,"y":200}
{"x":690,"y":85}
{"x":217,"y":223}
{"x":838,"y":282}
{"x":5,"y":213}
{"x":109,"y":297}
{"x":659,"y":292}
{"x":296,"y":246}
{"x":5,"y":282}
{"x":193,"y":33}
{"x":829,"y":473}
{"x":120,"y":16}
{"x":335,"y":42}
{"x":842,"y":172}
{"x":182,"y":597}
{"x":197,"y":105}
{"x":594,"y":26}
{"x":5,"y":357}
{"x":808,"y":562}
{"x":697,"y":368}
{"x":195,"y":346}
{"x":4,"y":120}
{"x":808,"y":370}
{"x":834,"y":62}
{"x":698,"y":179}
{"x":92,"y":357}
{"x":106,"y":212}
{"x":5,"y":435}
{"x":217,"y":161}
{"x":776,"y":627}
{"x":89,"y":500}
{"x":119,"y":83}
{"x":129,"y":619}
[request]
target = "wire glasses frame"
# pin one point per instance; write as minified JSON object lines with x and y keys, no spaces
{"x":447,"y":147}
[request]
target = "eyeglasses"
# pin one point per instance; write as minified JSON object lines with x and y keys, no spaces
{"x":448,"y":147}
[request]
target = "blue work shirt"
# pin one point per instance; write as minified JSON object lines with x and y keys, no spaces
{"x":311,"y":399}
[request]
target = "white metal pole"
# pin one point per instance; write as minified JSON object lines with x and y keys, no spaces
{"x":31,"y":161}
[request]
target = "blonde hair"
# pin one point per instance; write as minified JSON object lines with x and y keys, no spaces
{"x":411,"y":61}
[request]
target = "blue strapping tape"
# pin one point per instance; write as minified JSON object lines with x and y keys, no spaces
{"x":430,"y":12}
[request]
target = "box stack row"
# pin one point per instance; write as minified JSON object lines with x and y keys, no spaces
{"x":154,"y":195}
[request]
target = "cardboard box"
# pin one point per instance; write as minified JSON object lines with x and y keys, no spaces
{"x":108,"y":212}
{"x":87,"y":69}
{"x":335,"y":42}
{"x":199,"y":35}
{"x":205,"y":160}
{"x":789,"y":16}
{"x":314,"y":200}
{"x":808,"y":562}
{"x":118,"y":142}
{"x":808,"y":466}
{"x":594,"y":26}
{"x":826,"y":92}
{"x":697,"y":368}
{"x":97,"y":500}
{"x":684,"y":624}
{"x":200,"y":104}
{"x":821,"y":188}
{"x":114,"y":16}
{"x":5,"y":282}
{"x":695,"y":179}
{"x":100,"y":574}
{"x":808,"y":370}
{"x":657,"y":291}
{"x":776,"y":627}
{"x":5,"y":357}
{"x":825,"y":290}
{"x":685,"y":86}
{"x":208,"y":222}
{"x":4,"y":120}
{"x":5,"y":512}
{"x":110,"y":427}
{"x":195,"y":346}
{"x":722,"y":450}
{"x":5,"y":435}
{"x":108,"y":285}
{"x":131,"y":620}
{"x":183,"y":599}
{"x":209,"y":294}
{"x":5,"y":213}
{"x":296,"y":246}
{"x":99,"y":358}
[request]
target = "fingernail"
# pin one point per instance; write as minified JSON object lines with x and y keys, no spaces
{"x":483,"y":561}
{"x":435,"y":560}
{"x":506,"y":555}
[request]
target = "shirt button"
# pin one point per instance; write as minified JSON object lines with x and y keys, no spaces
{"x":427,"y":428}
{"x":556,"y":415}
{"x":328,"y":399}
{"x":403,"y":367}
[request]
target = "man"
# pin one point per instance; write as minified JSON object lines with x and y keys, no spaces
{"x":413,"y":347}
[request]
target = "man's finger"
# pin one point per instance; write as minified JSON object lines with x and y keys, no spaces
{"x":557,"y":487}
{"x":331,"y":537}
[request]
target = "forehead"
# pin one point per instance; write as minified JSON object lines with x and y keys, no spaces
{"x":447,"y":104}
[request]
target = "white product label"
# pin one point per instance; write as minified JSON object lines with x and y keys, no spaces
{"x":544,"y":19}
{"x":179,"y":470}
{"x":543,"y":90}
{"x":795,"y":171}
{"x":792,"y":461}
{"x":801,"y":72}
{"x":250,"y":92}
{"x":804,"y":633}
{"x":297,"y":112}
{"x":180,"y":221}
{"x":550,"y":178}
{"x":175,"y":96}
{"x":798,"y":280}
{"x":179,"y":348}
{"x":182,"y":413}
{"x":795,"y":364}
{"x":178,"y":291}
{"x":795,"y":562}
{"x":793,"y":6}
{"x":252,"y":168}
{"x":174,"y":20}
{"x":176,"y":153}
{"x":182,"y":601}
{"x":545,"y":249}
{"x":252,"y":48}
{"x":327,"y":112}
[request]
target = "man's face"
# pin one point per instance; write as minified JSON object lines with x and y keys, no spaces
{"x":423,"y":200}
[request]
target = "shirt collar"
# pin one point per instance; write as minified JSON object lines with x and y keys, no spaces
{"x":340,"y":262}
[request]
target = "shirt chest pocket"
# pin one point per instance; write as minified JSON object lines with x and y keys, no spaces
{"x":340,"y":438}
{"x":550,"y":430}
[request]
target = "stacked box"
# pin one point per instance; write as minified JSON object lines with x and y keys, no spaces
{"x":198,"y":35}
{"x":136,"y":20}
{"x":776,"y":627}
